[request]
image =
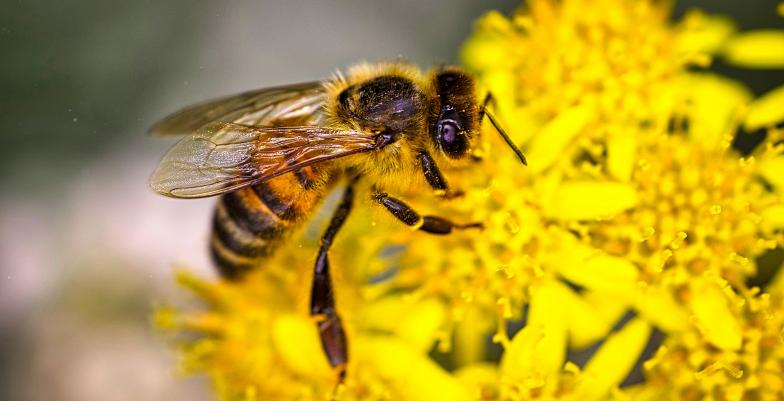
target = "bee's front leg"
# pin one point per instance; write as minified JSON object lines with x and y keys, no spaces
{"x":435,"y":178}
{"x":409,"y":216}
{"x":322,"y":299}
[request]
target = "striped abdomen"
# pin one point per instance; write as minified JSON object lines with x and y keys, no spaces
{"x":250,"y":223}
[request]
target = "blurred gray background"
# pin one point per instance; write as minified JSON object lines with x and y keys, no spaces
{"x":86,"y":250}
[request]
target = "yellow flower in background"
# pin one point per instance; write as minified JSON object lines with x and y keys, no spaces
{"x":689,"y":366}
{"x":527,"y":371}
{"x":573,"y":73}
{"x":635,"y":216}
{"x":256,"y":341}
{"x":582,"y":81}
{"x":632,"y":149}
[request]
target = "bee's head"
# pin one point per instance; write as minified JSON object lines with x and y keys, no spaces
{"x":454,"y":114}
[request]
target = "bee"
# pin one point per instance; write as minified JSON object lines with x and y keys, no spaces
{"x":273,"y":154}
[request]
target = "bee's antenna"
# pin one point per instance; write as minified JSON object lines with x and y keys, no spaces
{"x":484,"y":112}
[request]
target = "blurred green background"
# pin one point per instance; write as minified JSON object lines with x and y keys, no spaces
{"x":86,"y":250}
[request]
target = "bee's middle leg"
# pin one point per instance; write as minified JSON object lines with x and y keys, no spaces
{"x":409,"y":216}
{"x":322,"y":298}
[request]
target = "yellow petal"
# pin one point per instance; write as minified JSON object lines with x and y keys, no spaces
{"x":591,"y":268}
{"x":773,"y":217}
{"x":488,"y":48}
{"x":606,"y":307}
{"x":604,"y":273}
{"x":518,"y":121}
{"x":713,"y":316}
{"x":766,"y":110}
{"x":483,"y":51}
{"x":621,"y":155}
{"x":471,"y":336}
{"x":546,"y":187}
{"x":546,"y":311}
{"x":537,"y":352}
{"x":408,"y":369}
{"x":549,"y":144}
{"x":773,"y":172}
{"x":296,"y":339}
{"x":420,"y":325}
{"x":756,"y":49}
{"x":613,"y":361}
{"x":501,"y":84}
{"x":416,"y":322}
{"x":705,"y":33}
{"x":494,"y":21}
{"x":478,"y":377}
{"x":208,"y":291}
{"x":520,"y":362}
{"x":641,"y":392}
{"x":590,"y":316}
{"x":658,"y":306}
{"x":591,"y":200}
{"x":716,"y":103}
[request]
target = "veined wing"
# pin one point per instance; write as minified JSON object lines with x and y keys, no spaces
{"x":300,"y":102}
{"x":223,"y":157}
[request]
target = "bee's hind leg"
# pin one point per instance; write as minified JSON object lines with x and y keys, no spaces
{"x":322,"y":299}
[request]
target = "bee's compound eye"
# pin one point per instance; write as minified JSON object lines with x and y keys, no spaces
{"x":451,"y":140}
{"x":449,"y":132}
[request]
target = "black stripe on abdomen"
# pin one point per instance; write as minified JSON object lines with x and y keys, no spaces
{"x":235,"y":238}
{"x":246,"y":227}
{"x":229,"y":265}
{"x":253,"y":217}
{"x":283,"y":209}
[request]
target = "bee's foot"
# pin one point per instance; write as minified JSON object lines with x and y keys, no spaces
{"x":340,"y":372}
{"x":449,"y":194}
{"x":318,"y":318}
{"x":478,"y":225}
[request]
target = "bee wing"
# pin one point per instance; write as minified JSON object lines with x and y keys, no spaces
{"x":223,"y":157}
{"x":258,"y":107}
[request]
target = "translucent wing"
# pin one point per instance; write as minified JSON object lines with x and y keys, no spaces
{"x":223,"y":157}
{"x":301,"y":102}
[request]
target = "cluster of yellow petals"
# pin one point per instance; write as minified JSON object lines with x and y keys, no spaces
{"x":636,"y":216}
{"x":689,"y":366}
{"x":637,"y":176}
{"x":256,"y":341}
{"x":610,"y":58}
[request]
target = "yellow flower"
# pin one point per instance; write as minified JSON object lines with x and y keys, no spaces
{"x":635,"y":203}
{"x":572,"y":73}
{"x":689,"y":366}
{"x":534,"y":363}
{"x":631,"y":151}
{"x":651,"y":143}
{"x":256,"y":342}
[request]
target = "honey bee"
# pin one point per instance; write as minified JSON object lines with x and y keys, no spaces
{"x":273,"y":154}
